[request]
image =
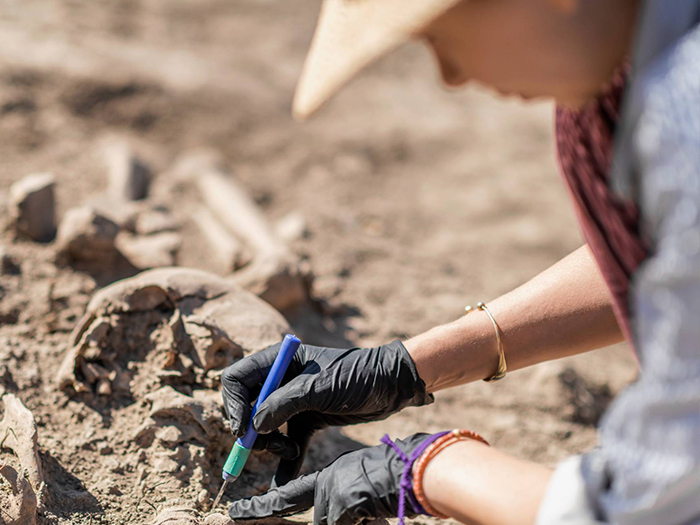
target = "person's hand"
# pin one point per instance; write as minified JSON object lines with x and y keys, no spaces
{"x":356,"y":486}
{"x":322,"y":387}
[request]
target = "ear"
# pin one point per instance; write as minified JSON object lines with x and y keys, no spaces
{"x":565,"y":6}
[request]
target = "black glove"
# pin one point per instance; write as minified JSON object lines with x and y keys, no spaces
{"x":322,"y":387}
{"x":358,"y":485}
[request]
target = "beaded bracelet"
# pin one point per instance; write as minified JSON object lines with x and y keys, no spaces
{"x":433,"y":450}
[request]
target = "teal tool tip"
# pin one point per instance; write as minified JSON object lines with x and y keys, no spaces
{"x":236,"y":461}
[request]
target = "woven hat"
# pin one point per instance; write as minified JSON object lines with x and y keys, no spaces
{"x":350,"y":34}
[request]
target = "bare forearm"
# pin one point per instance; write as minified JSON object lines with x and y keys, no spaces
{"x":564,"y":311}
{"x":477,"y":484}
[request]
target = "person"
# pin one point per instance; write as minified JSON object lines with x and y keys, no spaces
{"x":625,"y":75}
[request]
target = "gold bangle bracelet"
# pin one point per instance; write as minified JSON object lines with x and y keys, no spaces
{"x":502,"y":367}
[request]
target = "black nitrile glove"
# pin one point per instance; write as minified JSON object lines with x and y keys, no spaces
{"x":356,"y":486}
{"x":322,"y":387}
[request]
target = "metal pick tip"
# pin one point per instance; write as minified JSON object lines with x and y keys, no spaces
{"x":220,"y":494}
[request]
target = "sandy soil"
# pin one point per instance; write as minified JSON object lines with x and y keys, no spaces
{"x":418,"y":201}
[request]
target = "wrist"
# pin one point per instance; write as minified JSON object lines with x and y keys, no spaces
{"x":427,"y":496}
{"x":470,"y":482}
{"x":469,"y":341}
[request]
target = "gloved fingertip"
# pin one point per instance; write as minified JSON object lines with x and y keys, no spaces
{"x":262,"y":422}
{"x":237,"y":428}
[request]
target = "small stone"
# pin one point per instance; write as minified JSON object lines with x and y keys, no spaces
{"x":176,"y":516}
{"x":8,"y":264}
{"x":86,"y":236}
{"x":169,"y":435}
{"x":129,"y":177}
{"x":292,"y":227}
{"x":104,"y":387}
{"x":217,"y":519}
{"x":203,"y":499}
{"x":33,"y":207}
{"x":165,"y":464}
{"x":105,"y":450}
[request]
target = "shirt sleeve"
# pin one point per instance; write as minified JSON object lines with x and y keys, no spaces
{"x":647,"y":468}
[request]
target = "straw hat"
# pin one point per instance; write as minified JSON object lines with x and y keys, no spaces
{"x":350,"y":34}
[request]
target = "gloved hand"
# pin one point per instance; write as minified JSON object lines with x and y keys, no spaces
{"x":358,"y":485}
{"x":322,"y":387}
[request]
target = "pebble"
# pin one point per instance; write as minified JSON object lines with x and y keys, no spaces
{"x":203,"y":499}
{"x":33,"y":208}
{"x":85,"y":235}
{"x":217,"y":519}
{"x":292,"y":227}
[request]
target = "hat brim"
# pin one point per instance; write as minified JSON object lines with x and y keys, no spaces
{"x":351,"y":34}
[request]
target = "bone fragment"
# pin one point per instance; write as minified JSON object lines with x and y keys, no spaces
{"x":230,"y":202}
{"x":228,"y":251}
{"x":18,"y":432}
{"x":149,"y":251}
{"x":156,"y":220}
{"x":274,"y":274}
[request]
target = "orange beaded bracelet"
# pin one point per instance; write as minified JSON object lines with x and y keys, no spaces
{"x":433,"y":450}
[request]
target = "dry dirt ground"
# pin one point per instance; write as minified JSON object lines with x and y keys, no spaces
{"x":418,"y":201}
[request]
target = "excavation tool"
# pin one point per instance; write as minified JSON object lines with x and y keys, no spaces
{"x":241,"y":450}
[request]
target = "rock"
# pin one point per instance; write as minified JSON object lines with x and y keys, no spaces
{"x":172,"y":324}
{"x":149,"y":251}
{"x":8,"y":264}
{"x":32,"y":207}
{"x":86,"y":238}
{"x":292,"y":227}
{"x":217,"y":519}
{"x":129,"y":177}
{"x":203,"y":499}
{"x":177,"y":516}
{"x":18,"y":502}
{"x":125,"y":214}
{"x":18,"y":432}
{"x":278,"y":280}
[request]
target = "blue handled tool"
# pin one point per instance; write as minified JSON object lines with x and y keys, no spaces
{"x":241,"y":450}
